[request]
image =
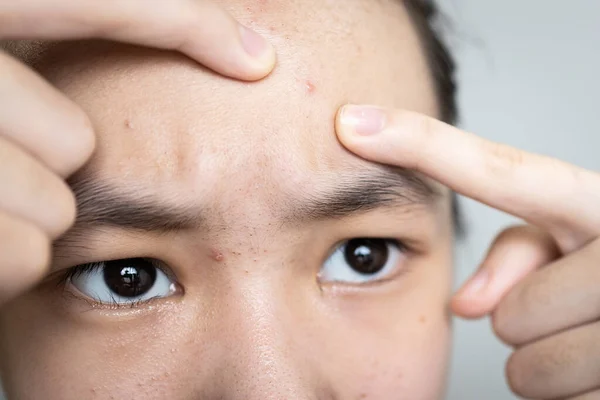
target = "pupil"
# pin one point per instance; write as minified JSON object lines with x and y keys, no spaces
{"x":129,"y":278}
{"x":366,"y":256}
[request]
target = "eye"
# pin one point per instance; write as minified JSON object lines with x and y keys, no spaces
{"x":126,"y":281}
{"x":362,"y":260}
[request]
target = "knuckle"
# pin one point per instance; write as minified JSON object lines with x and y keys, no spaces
{"x":538,"y":291}
{"x":531,"y":369}
{"x":427,"y":132}
{"x":501,"y":161}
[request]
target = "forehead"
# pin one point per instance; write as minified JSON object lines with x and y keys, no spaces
{"x":165,"y":122}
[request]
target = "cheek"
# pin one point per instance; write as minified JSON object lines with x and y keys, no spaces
{"x":389,"y":342}
{"x":45,"y":354}
{"x":394,"y":345}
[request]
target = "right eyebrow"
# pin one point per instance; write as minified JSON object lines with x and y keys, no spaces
{"x":100,"y":204}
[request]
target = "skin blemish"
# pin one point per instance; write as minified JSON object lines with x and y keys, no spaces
{"x":422,"y":319}
{"x":310,"y":87}
{"x":216,"y":255}
{"x":128,"y":124}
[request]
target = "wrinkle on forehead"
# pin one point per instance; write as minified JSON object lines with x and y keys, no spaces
{"x":163,"y":120}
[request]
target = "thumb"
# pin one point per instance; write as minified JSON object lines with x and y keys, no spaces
{"x":514,"y":254}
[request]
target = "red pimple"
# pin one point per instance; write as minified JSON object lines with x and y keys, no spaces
{"x":310,"y":87}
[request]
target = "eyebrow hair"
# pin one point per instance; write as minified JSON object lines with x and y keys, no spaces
{"x":101,"y":204}
{"x":365,"y":191}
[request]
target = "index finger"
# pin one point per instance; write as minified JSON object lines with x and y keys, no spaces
{"x":198,"y":28}
{"x":543,"y":191}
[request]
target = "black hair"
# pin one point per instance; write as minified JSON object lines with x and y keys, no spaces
{"x":426,"y":17}
{"x":426,"y":20}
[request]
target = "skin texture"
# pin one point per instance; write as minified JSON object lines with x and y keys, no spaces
{"x":539,"y":282}
{"x":251,"y":318}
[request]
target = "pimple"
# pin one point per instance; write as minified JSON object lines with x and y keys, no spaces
{"x":310,"y":87}
{"x":129,"y":124}
{"x":216,"y":255}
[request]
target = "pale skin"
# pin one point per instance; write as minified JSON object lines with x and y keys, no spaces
{"x":539,"y":282}
{"x":258,"y":313}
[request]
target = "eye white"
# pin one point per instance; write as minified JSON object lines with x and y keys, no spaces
{"x":337,"y":269}
{"x":91,"y":283}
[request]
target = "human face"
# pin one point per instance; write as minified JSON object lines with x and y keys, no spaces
{"x":247,"y":203}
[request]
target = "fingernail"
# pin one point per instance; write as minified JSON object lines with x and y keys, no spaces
{"x":254,"y":44}
{"x":363,"y":120}
{"x":476,"y":284}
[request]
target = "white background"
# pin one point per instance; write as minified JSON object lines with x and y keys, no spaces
{"x":529,"y":78}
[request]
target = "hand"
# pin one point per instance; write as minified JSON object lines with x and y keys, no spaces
{"x":44,"y":137}
{"x":549,"y":315}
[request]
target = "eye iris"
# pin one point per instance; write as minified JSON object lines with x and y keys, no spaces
{"x":129,"y":278}
{"x":366,"y":256}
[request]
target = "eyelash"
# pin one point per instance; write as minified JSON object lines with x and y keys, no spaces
{"x":74,"y":272}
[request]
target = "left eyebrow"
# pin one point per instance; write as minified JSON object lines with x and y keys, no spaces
{"x":363,"y":191}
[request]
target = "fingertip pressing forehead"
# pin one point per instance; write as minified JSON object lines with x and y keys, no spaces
{"x":160,"y":116}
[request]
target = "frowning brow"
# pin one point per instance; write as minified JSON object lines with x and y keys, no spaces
{"x":101,"y":204}
{"x":363,"y":191}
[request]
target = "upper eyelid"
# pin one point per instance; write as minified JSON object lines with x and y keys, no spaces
{"x":69,"y":272}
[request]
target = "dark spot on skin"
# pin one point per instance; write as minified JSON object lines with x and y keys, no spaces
{"x":362,"y":396}
{"x":310,"y":87}
{"x":129,"y":124}
{"x":422,"y":319}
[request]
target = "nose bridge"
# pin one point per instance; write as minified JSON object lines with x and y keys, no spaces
{"x":261,"y":359}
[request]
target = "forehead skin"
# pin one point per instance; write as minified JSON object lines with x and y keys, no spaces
{"x":252,"y":324}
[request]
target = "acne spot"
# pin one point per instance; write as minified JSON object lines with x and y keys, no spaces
{"x":310,"y":87}
{"x":216,"y":255}
{"x":129,"y":124}
{"x":422,"y":319}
